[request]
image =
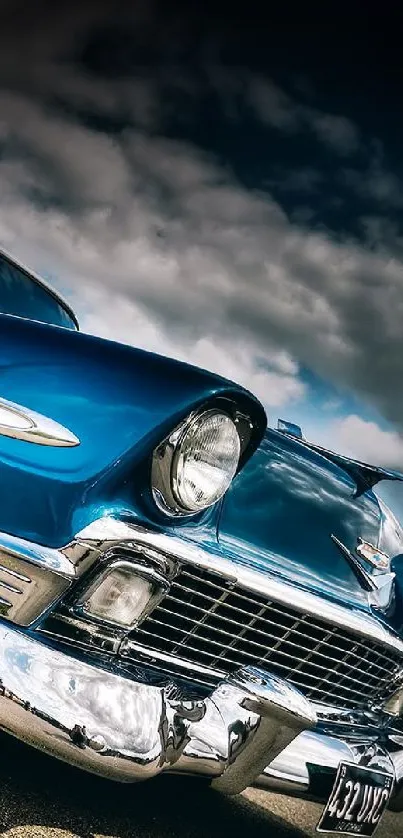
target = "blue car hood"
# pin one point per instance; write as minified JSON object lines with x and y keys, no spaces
{"x":119,"y":401}
{"x":283,"y":507}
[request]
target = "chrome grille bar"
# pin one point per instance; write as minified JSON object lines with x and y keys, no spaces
{"x":264,"y":635}
{"x":217,"y":626}
{"x":155,"y":621}
{"x":257,"y":658}
{"x":271,"y":607}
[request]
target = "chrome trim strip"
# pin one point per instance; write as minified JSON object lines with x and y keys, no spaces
{"x":25,"y":604}
{"x":19,"y":549}
{"x":14,"y":574}
{"x":10,"y":588}
{"x":69,"y":562}
{"x":128,"y":648}
{"x":35,"y":576}
{"x":20,"y":422}
{"x":107,"y":531}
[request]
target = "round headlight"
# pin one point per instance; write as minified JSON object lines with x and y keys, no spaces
{"x":205,"y":460}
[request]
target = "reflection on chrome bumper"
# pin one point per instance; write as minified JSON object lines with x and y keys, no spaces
{"x":254,"y":729}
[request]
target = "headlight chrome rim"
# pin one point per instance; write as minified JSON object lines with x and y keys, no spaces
{"x":165,"y":491}
{"x":178,"y":465}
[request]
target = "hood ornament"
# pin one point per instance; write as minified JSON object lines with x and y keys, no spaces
{"x":380,"y":586}
{"x":20,"y":422}
{"x":375,"y":557}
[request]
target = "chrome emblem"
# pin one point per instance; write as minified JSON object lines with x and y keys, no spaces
{"x":365,"y":579}
{"x":371,"y":554}
{"x":22,"y":423}
{"x":380,"y":586}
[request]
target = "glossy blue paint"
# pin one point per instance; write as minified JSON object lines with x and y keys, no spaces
{"x":281,"y":509}
{"x":119,"y":401}
{"x":25,"y":295}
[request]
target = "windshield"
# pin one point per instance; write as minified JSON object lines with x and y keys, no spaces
{"x":23,"y":295}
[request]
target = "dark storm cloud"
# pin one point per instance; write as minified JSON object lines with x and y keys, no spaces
{"x":151,"y":186}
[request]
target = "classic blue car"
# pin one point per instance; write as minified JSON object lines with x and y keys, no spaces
{"x":182,"y":588}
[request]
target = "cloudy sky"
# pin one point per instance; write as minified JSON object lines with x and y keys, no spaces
{"x":220,"y":187}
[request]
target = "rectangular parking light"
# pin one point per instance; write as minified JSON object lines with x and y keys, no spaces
{"x":123,"y":594}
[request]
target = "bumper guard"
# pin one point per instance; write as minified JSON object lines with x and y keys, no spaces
{"x":254,"y":728}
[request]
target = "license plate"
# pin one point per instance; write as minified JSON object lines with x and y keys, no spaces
{"x":357,"y":802}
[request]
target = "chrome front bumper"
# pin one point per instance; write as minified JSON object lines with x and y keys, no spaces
{"x":254,"y":729}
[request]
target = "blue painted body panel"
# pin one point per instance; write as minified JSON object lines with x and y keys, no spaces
{"x":282,"y":508}
{"x":119,"y":401}
{"x":25,"y":295}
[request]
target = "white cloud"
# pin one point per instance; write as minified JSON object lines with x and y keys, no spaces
{"x":157,"y":243}
{"x":276,"y":384}
{"x":162,"y":231}
{"x":366,"y":441}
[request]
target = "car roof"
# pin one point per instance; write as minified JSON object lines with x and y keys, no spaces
{"x":39,"y":281}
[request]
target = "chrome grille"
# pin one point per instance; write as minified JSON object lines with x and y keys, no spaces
{"x":207,"y":622}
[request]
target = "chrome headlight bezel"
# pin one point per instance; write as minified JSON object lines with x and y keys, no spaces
{"x":164,"y":474}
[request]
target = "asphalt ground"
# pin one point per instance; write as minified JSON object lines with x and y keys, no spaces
{"x":42,"y":797}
